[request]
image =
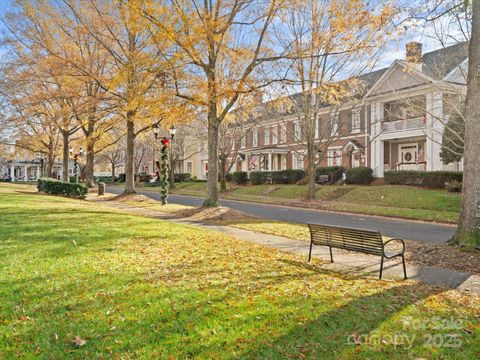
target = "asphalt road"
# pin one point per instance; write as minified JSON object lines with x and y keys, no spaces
{"x":406,"y":229}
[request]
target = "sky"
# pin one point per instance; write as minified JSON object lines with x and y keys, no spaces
{"x":394,"y":49}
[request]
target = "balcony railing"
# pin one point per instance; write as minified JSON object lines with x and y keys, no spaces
{"x":401,"y":125}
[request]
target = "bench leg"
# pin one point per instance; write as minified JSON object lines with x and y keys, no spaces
{"x":331,"y":255}
{"x":381,"y":269}
{"x":404,"y":267}
{"x":310,"y":252}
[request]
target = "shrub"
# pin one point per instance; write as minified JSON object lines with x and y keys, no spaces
{"x":122,"y":177}
{"x":259,"y":177}
{"x":56,"y":187}
{"x":153,"y":184}
{"x":432,"y":179}
{"x":229,"y":177}
{"x":293,"y":176}
{"x":454,"y":186}
{"x":334,"y":173}
{"x":240,"y":177}
{"x":181,"y":177}
{"x":359,"y":175}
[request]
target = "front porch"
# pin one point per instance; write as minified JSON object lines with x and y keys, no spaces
{"x":405,"y":154}
{"x":265,"y":159}
{"x":28,"y":171}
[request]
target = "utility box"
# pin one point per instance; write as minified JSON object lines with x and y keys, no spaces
{"x":101,"y":188}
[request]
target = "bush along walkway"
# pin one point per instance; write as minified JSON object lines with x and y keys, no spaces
{"x":345,"y":262}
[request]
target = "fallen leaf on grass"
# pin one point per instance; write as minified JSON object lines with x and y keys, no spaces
{"x":78,"y":341}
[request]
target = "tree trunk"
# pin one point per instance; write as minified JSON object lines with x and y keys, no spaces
{"x":89,"y":165}
{"x":311,"y":170}
{"x":223,"y":174}
{"x":129,"y":165}
{"x":66,"y":155}
{"x":50,"y":162}
{"x":212,"y":176}
{"x":468,"y":231}
{"x":113,"y":172}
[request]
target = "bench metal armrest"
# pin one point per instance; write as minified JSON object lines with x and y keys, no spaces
{"x":395,"y":239}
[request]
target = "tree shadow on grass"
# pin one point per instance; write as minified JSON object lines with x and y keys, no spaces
{"x":349,"y":331}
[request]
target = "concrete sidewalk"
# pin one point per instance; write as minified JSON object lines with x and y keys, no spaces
{"x":346,"y":262}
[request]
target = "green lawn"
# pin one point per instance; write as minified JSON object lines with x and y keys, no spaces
{"x":388,"y":200}
{"x":134,"y":287}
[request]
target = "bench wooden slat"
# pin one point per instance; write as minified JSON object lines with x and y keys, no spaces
{"x":359,"y":240}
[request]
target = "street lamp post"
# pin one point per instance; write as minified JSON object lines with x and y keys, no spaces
{"x":165,"y":166}
{"x":42,"y":164}
{"x":156,"y":130}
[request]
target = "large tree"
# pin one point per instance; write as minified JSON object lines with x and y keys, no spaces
{"x":221,"y":46}
{"x":327,"y":41}
{"x":468,"y":231}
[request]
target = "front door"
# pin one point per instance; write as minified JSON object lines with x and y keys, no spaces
{"x":407,"y":156}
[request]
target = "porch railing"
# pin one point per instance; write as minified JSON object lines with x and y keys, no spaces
{"x":406,"y":124}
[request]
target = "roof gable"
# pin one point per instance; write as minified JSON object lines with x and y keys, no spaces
{"x":398,"y":77}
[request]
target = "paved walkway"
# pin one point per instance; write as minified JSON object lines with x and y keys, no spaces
{"x":344,"y":262}
{"x":406,"y":229}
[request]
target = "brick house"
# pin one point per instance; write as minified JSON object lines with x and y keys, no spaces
{"x":396,"y":124}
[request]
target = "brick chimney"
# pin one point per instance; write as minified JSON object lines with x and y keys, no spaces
{"x":414,"y":53}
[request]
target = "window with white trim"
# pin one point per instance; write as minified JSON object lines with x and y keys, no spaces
{"x":266,"y":138}
{"x":242,"y":142}
{"x":334,"y":124}
{"x":298,"y":161}
{"x":189,"y":167}
{"x":255,"y":137}
{"x":355,"y":120}
{"x":297,"y":131}
{"x":274,"y":131}
{"x":334,"y":156}
{"x":283,"y":133}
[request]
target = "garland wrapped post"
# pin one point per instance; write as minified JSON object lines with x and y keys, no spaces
{"x":42,"y":171}
{"x":164,"y":171}
{"x":75,"y":167}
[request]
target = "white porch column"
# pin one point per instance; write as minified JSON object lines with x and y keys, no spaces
{"x":270,"y":164}
{"x":377,"y":144}
{"x":25,"y":177}
{"x":12,"y":172}
{"x":38,"y":173}
{"x":434,"y":131}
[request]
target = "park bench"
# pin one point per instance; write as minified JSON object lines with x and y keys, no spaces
{"x":363,"y":241}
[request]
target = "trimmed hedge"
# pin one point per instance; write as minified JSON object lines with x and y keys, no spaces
{"x":334,"y":173}
{"x":259,"y":177}
{"x":122,"y":177}
{"x":240,"y":177}
{"x":181,"y":177}
{"x":56,"y":187}
{"x":292,"y":176}
{"x":277,"y":177}
{"x":432,"y":179}
{"x":359,"y":176}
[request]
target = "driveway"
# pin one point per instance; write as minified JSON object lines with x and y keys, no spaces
{"x":405,"y":229}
